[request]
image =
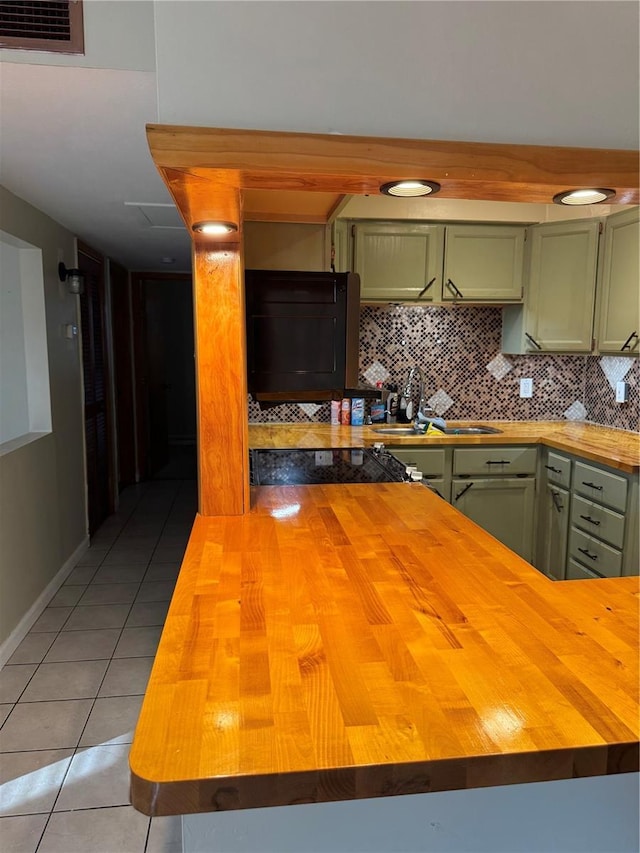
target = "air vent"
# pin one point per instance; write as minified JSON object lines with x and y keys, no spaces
{"x":55,"y":27}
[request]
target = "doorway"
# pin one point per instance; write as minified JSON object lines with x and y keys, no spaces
{"x":165,"y":376}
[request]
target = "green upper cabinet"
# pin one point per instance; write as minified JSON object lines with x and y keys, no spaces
{"x":483,"y":263}
{"x":619,"y":308}
{"x":559,"y":305}
{"x":398,"y":261}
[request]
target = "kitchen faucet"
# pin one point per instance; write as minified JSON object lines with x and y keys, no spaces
{"x":423,"y":408}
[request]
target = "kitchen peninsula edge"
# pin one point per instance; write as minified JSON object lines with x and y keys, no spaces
{"x":357,"y":641}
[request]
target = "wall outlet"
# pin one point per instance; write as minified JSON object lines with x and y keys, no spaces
{"x":526,"y":387}
{"x":622,"y":392}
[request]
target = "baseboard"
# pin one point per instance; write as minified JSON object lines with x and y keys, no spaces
{"x":8,"y":647}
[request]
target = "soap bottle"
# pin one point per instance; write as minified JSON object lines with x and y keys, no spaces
{"x":402,"y":410}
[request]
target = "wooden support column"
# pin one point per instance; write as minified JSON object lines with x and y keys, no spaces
{"x":222,"y":411}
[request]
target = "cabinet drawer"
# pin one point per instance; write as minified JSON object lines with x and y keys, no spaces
{"x":576,"y":572}
{"x":558,"y":470}
{"x":430,"y":462}
{"x":596,"y":555}
{"x":598,"y":521}
{"x":601,"y":486}
{"x":494,"y":461}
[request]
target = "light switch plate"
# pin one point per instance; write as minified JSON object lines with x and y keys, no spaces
{"x":526,"y":387}
{"x":622,"y":392}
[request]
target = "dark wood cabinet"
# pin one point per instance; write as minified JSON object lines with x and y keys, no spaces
{"x":302,"y":334}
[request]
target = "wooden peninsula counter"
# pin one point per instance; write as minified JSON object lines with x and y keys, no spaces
{"x":349,"y":642}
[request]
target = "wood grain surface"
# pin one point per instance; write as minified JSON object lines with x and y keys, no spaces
{"x":356,"y":165}
{"x":350,"y":641}
{"x":618,"y":448}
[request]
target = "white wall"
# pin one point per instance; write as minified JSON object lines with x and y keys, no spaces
{"x":42,"y":484}
{"x":520,"y":72}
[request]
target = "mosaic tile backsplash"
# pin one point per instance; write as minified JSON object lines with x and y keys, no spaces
{"x":466,"y":376}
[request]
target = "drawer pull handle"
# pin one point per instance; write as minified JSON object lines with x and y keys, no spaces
{"x":588,"y":554}
{"x":498,"y":462}
{"x":555,"y":470}
{"x":590,"y":520}
{"x":466,"y":489}
{"x":592,"y":486}
{"x":556,"y":501}
{"x":426,"y":287}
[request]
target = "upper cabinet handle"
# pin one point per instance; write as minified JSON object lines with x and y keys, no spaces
{"x":426,"y":287}
{"x":532,"y":340}
{"x":454,"y":289}
{"x":627,"y":343}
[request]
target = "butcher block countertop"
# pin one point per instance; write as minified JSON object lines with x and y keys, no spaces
{"x":617,"y":448}
{"x":340,"y":642}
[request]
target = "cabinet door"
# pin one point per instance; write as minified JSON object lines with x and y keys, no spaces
{"x":554,"y":532}
{"x":504,"y":507}
{"x":483,"y":263}
{"x":398,"y":262}
{"x":562,"y":282}
{"x":620,"y":295}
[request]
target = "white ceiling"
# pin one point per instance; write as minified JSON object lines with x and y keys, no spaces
{"x":73,"y":129}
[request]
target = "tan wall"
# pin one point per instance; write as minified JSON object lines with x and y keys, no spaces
{"x":43,"y":517}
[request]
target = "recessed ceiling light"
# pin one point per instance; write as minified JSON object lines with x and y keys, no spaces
{"x":587,"y":196}
{"x":410,"y":189}
{"x":214,"y":228}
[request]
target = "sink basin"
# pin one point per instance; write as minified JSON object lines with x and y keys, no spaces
{"x":409,"y":430}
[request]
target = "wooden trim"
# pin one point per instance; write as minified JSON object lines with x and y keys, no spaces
{"x":251,"y":159}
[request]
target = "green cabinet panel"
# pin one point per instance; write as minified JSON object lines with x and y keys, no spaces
{"x":503,"y":506}
{"x":398,"y":261}
{"x":554,"y":532}
{"x":285,"y":246}
{"x":483,"y":263}
{"x":558,"y":311}
{"x":619,"y":302}
{"x":340,"y":246}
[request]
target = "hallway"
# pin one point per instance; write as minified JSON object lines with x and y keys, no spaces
{"x":71,"y":693}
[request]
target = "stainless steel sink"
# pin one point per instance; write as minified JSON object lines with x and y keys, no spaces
{"x":409,"y":430}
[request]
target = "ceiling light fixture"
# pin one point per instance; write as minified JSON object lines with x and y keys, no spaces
{"x":410,"y":189}
{"x":73,"y":277}
{"x":214,"y":228}
{"x":587,"y":196}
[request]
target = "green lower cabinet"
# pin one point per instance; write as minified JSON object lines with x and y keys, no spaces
{"x":554,"y":532}
{"x":503,"y":506}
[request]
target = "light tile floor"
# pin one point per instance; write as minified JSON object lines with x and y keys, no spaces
{"x":71,"y":693}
